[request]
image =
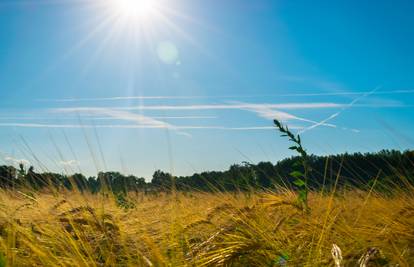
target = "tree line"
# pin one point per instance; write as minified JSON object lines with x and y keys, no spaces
{"x":387,"y":168}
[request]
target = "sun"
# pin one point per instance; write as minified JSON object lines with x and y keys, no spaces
{"x":136,"y":10}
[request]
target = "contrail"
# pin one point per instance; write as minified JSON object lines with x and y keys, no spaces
{"x":120,"y":98}
{"x":135,"y":126}
{"x":336,"y":114}
{"x":314,"y":105}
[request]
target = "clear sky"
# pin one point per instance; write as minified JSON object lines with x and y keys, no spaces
{"x":191,"y":85}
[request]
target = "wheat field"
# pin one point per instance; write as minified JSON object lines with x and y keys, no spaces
{"x":206,"y":229}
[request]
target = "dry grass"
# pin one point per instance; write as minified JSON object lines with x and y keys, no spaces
{"x":201,"y":229}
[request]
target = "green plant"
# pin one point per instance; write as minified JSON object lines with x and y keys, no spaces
{"x":2,"y":260}
{"x":301,"y":176}
{"x":123,"y":202}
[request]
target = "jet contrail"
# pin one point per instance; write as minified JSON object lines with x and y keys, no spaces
{"x":336,"y":114}
{"x":119,"y":98}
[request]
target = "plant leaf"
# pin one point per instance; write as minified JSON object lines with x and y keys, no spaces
{"x":296,"y":174}
{"x":299,"y":182}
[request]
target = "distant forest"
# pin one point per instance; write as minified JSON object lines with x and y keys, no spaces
{"x":386,"y":169}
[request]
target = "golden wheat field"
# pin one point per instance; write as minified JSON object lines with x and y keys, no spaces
{"x":206,"y":229}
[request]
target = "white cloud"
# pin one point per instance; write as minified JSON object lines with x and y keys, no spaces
{"x":68,"y":163}
{"x":141,"y":121}
{"x":16,"y":161}
{"x":150,"y":122}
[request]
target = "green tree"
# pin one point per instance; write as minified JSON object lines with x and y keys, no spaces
{"x":162,"y":180}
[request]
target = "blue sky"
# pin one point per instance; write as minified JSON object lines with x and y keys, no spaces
{"x":187,"y":86}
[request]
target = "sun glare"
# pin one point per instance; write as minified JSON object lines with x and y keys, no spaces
{"x":138,"y":10}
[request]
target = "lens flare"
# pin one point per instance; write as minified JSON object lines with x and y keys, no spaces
{"x":168,"y":52}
